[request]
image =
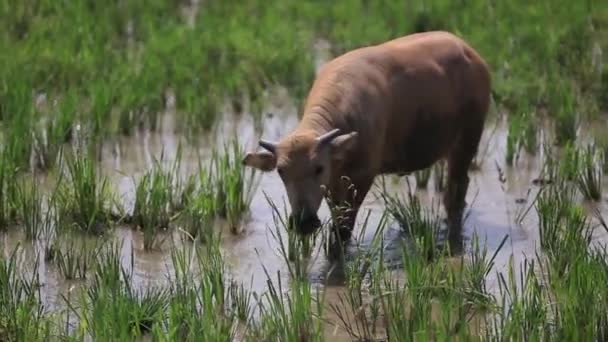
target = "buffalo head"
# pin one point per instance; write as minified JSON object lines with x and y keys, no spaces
{"x":304,"y":161}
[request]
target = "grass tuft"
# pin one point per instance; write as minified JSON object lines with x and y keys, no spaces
{"x":422,"y":224}
{"x":84,"y":198}
{"x":590,"y":173}
{"x":153,"y":204}
{"x":234,"y":185}
{"x":21,"y":310}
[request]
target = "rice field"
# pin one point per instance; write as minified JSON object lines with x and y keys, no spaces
{"x":126,"y":214}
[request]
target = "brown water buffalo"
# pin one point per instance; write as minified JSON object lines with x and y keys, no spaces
{"x":395,"y":107}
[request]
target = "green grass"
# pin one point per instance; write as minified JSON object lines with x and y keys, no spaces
{"x":567,"y":118}
{"x":74,"y":256}
{"x":8,"y":192}
{"x":222,"y":189}
{"x":522,"y":133}
{"x":113,"y":78}
{"x":199,"y":218}
{"x":84,"y":200}
{"x":589,"y":179}
{"x":421,"y":224}
{"x":294,"y":312}
{"x":234,"y":185}
{"x":112,"y":297}
{"x":21,"y":311}
{"x":569,"y":162}
{"x":153,"y":204}
{"x":34,"y":218}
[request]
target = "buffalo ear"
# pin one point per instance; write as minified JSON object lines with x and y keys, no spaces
{"x":343,"y":144}
{"x":264,"y":161}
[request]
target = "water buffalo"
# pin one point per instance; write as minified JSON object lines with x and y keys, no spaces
{"x":395,"y":107}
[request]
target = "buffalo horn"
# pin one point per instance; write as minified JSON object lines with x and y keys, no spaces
{"x":270,"y":146}
{"x":329,"y":136}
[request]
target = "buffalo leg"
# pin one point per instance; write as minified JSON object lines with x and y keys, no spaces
{"x":346,"y":201}
{"x":459,"y":162}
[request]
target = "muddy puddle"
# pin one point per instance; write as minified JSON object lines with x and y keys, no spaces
{"x":497,"y":196}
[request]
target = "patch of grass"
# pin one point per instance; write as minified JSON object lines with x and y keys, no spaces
{"x":113,"y":308}
{"x":589,"y":178}
{"x":563,"y":226}
{"x":84,"y":198}
{"x":21,"y":310}
{"x":8,"y":191}
{"x":241,"y":300}
{"x":552,"y":206}
{"x":234,"y":185}
{"x":153,"y":198}
{"x":298,"y":245}
{"x":569,"y":162}
{"x":34,"y":218}
{"x":513,"y":144}
{"x":17,"y":114}
{"x":523,"y":300}
{"x":422,"y":224}
{"x":75,"y":256}
{"x":295,"y":316}
{"x":359,"y":315}
{"x":475,"y":272}
{"x":522,"y":133}
{"x":567,"y":120}
{"x":199,"y":216}
{"x":199,"y":305}
{"x":54,"y":130}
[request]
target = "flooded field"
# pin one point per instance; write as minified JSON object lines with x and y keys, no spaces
{"x":501,"y":206}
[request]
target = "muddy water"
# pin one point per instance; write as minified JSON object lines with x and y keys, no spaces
{"x":497,"y":195}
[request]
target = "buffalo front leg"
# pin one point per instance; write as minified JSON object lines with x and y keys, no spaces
{"x":345,"y":201}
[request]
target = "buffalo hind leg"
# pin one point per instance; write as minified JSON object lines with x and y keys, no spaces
{"x":459,"y":162}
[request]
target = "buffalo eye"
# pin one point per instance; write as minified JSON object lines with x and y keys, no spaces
{"x":318,"y":170}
